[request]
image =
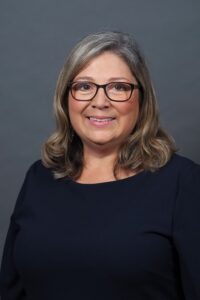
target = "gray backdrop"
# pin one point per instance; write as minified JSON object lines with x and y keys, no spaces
{"x":35,"y":37}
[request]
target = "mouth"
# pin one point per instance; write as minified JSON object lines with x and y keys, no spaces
{"x":100,"y":119}
{"x":97,"y":120}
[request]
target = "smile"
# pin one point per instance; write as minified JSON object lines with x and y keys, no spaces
{"x":100,"y":120}
{"x":96,"y":119}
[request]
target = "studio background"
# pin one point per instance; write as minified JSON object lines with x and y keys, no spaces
{"x":36,"y":36}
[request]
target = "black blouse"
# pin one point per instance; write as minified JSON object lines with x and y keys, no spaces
{"x":136,"y":238}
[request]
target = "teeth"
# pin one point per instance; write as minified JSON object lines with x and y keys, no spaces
{"x":100,"y":120}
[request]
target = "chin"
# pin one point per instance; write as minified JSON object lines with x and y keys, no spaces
{"x":104,"y":145}
{"x":100,"y":139}
{"x":100,"y":142}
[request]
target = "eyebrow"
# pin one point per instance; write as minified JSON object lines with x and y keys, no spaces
{"x":109,"y":79}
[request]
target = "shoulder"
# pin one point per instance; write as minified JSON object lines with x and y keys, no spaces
{"x":38,"y":172}
{"x":181,"y":166}
{"x":178,"y":173}
{"x":187,"y":174}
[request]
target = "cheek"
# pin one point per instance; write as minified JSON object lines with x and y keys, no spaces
{"x":130,"y":113}
{"x":73,"y":112}
{"x":72,"y":106}
{"x":75,"y":108}
{"x":76,"y":114}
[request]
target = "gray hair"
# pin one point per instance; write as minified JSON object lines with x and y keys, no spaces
{"x":148,"y":146}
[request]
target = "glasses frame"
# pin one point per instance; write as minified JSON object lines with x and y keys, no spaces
{"x":104,"y":86}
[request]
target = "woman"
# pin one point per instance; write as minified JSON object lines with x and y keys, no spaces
{"x":111,"y":212}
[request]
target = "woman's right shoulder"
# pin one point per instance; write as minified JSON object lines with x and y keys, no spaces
{"x":37,"y":171}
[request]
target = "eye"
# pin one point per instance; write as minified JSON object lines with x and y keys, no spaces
{"x":82,"y":86}
{"x":119,"y":86}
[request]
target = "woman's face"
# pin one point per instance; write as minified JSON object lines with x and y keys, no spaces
{"x":101,"y":122}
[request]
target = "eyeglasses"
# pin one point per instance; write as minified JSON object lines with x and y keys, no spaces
{"x":115,"y":91}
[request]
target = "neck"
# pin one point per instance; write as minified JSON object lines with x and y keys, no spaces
{"x":103,"y":158}
{"x":98,"y":166}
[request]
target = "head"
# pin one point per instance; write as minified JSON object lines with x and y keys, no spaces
{"x":123,"y":46}
{"x":146,"y":125}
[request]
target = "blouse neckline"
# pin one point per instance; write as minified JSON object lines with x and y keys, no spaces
{"x":133,"y":178}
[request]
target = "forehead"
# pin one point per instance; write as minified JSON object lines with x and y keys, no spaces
{"x":105,"y":66}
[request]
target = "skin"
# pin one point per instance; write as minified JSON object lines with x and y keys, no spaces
{"x":101,"y":142}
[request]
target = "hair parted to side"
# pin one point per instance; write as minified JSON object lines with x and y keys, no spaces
{"x":148,"y":147}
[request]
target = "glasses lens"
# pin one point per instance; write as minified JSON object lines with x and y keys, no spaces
{"x":119,"y":91}
{"x":83,"y":90}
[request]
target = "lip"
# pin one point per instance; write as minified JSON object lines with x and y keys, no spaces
{"x":99,"y":121}
{"x":100,"y":117}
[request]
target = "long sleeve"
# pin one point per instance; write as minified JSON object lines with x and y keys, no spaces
{"x":11,"y":287}
{"x":186,"y":231}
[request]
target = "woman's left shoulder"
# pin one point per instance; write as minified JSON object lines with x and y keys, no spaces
{"x":181,"y":165}
{"x":179,"y":171}
{"x":186,"y":173}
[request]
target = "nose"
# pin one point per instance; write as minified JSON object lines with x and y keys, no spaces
{"x":100,"y":100}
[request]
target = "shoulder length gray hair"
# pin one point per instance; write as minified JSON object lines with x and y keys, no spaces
{"x":148,"y":147}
